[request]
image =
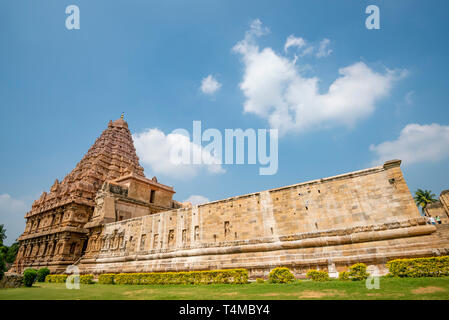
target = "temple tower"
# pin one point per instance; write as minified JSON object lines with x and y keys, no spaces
{"x":55,"y":235}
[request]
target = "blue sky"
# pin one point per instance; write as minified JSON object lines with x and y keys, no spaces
{"x":59,"y":88}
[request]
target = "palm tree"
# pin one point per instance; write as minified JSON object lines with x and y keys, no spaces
{"x":2,"y":233}
{"x":423,"y":198}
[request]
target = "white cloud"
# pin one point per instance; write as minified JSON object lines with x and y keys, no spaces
{"x":308,"y":50}
{"x":155,"y":149}
{"x":196,"y":200}
{"x":416,"y":143}
{"x":408,"y":99}
{"x":210,"y":85}
{"x":293,"y":41}
{"x":12,"y":213}
{"x":276,"y":91}
{"x":323,"y":51}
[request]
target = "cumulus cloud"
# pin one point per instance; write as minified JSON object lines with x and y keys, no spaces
{"x":160,"y":152}
{"x":416,"y":143}
{"x":210,"y":85}
{"x":275,"y":89}
{"x":293,"y":41}
{"x":323,"y":50}
{"x":12,"y":213}
{"x":196,"y":200}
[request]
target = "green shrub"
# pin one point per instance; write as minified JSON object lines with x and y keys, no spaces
{"x":317,"y":275}
{"x":87,"y":278}
{"x":106,"y":278}
{"x":260,"y":280}
{"x":56,"y":278}
{"x":344,"y":276}
{"x":419,"y":267}
{"x":233,"y":276}
{"x":358,"y":272}
{"x":42,"y":273}
{"x":281,"y":275}
{"x":29,"y":276}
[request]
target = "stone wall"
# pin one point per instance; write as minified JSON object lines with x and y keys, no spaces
{"x":54,"y":239}
{"x":364,"y":216}
{"x":444,"y":199}
{"x":11,"y":280}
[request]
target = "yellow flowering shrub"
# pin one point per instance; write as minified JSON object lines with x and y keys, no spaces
{"x":317,"y":275}
{"x":281,"y":275}
{"x":56,"y":278}
{"x":419,"y":267}
{"x":232,"y":276}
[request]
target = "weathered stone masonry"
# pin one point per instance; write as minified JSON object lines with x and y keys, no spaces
{"x":55,"y":235}
{"x":133,"y":225}
{"x":366,"y":216}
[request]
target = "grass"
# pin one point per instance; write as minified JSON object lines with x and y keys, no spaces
{"x":390,"y":288}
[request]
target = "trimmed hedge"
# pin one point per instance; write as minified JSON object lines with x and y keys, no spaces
{"x":419,"y":267}
{"x":42,"y":273}
{"x":61,"y":278}
{"x":29,"y":276}
{"x":260,"y":280}
{"x":232,"y":276}
{"x":87,"y":278}
{"x":106,"y":278}
{"x":358,"y":272}
{"x":56,"y":278}
{"x":195,"y":277}
{"x":281,"y":275}
{"x":343,"y":276}
{"x":317,"y":275}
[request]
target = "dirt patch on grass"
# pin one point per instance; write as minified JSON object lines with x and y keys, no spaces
{"x":309,"y":294}
{"x":230,"y":293}
{"x":271,"y":294}
{"x":424,"y":290}
{"x":138,"y":292}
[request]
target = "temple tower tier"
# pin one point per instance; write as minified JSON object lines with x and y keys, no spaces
{"x":56,"y":235}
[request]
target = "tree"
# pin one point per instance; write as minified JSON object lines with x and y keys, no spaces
{"x":12,"y":252}
{"x":2,"y":233}
{"x":423,"y":198}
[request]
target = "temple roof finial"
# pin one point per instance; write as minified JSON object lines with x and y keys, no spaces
{"x":122,"y":116}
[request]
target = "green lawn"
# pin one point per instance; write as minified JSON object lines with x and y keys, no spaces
{"x":390,"y":288}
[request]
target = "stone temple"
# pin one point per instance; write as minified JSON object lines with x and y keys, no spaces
{"x":106,"y":217}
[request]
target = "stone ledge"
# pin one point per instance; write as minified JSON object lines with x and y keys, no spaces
{"x":275,"y":246}
{"x":256,"y":264}
{"x":298,"y":236}
{"x":58,"y":230}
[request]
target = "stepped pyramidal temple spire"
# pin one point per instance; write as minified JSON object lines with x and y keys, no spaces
{"x":63,"y":219}
{"x":111,"y":155}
